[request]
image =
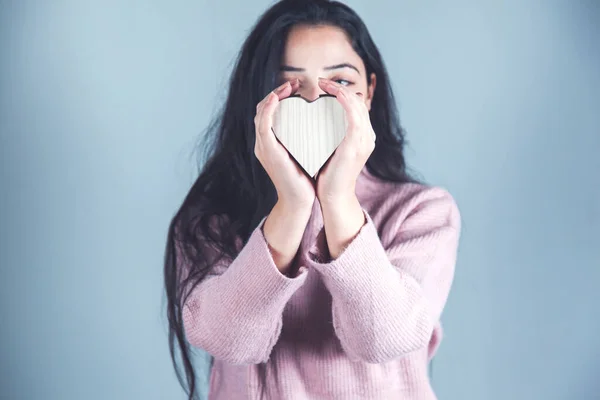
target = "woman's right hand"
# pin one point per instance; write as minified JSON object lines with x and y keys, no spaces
{"x":294,"y":187}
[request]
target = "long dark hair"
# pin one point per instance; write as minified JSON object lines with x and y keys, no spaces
{"x":233,"y":192}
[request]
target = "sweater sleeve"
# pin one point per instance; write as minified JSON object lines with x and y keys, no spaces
{"x":389,"y":293}
{"x":235,"y":313}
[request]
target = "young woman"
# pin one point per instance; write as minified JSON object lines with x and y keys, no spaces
{"x":302,"y":289}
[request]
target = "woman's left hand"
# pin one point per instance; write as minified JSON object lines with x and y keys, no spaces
{"x":336,"y":181}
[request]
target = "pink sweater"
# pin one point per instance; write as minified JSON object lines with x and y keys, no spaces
{"x":363,"y":326}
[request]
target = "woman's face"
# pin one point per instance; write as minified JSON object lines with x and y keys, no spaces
{"x":312,"y":52}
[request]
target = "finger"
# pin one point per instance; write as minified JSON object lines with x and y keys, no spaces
{"x":263,"y":120}
{"x":259,"y":110}
{"x":363,"y":101}
{"x":278,"y":91}
{"x":263,"y":125}
{"x":289,"y":88}
{"x":268,"y":109}
{"x":281,"y":87}
{"x":261,"y":104}
{"x":347,"y":99}
{"x":329,"y":86}
{"x":355,"y":98}
{"x":266,"y":119}
{"x":295,"y":85}
{"x":336,"y":89}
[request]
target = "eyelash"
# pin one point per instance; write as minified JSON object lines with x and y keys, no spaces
{"x":344,"y":80}
{"x":348,"y":83}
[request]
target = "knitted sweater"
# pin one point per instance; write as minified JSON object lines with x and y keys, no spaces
{"x":362,"y":326}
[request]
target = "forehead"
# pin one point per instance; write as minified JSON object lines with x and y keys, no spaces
{"x":319,"y":46}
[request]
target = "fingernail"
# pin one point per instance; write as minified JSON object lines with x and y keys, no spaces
{"x":282,"y":87}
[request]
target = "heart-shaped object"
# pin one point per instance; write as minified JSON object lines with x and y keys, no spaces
{"x":310,"y":131}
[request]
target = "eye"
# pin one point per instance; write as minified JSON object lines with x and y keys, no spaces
{"x":344,"y":82}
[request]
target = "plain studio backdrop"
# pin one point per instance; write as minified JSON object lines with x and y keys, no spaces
{"x":102,"y":102}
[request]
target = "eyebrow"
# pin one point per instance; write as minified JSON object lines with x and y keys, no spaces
{"x":288,"y":68}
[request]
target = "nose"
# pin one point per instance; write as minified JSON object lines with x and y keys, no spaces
{"x":310,"y":90}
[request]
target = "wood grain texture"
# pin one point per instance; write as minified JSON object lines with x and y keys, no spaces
{"x":310,"y":131}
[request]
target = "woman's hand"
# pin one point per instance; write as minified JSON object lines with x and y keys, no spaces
{"x":336,"y":181}
{"x":294,"y":187}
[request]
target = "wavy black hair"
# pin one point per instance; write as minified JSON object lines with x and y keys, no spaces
{"x":232,"y":189}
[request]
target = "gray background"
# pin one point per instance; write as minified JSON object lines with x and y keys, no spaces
{"x":101,"y":103}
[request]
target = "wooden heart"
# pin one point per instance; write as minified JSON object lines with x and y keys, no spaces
{"x":310,"y":131}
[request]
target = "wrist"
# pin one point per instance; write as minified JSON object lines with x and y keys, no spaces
{"x":339,"y":201}
{"x":342,"y":221}
{"x":295,"y":206}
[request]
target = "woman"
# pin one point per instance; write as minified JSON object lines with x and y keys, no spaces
{"x":310,"y":290}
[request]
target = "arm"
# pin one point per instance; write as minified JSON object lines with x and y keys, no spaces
{"x":388,"y":293}
{"x":342,"y":221}
{"x":283,"y":231}
{"x":235,"y":313}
